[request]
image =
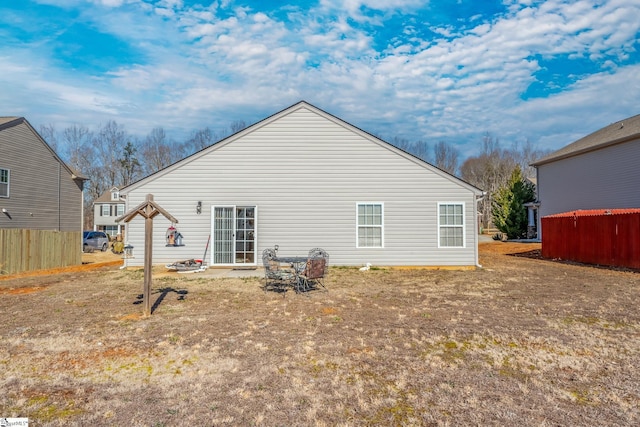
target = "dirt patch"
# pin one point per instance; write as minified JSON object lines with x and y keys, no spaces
{"x":90,"y":261}
{"x":521,"y":341}
{"x":22,"y":291}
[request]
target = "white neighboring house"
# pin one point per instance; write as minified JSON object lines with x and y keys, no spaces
{"x":301,"y":179}
{"x":106,"y":209}
{"x":599,"y":171}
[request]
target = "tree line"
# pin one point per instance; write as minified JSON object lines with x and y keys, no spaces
{"x":111,"y":157}
{"x":504,"y":174}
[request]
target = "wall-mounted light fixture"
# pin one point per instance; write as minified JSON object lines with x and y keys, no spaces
{"x":199,"y":207}
{"x":4,"y":211}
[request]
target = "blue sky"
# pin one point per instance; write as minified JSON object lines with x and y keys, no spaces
{"x":439,"y":70}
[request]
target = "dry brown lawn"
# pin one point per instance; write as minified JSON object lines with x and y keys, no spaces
{"x":522,"y":341}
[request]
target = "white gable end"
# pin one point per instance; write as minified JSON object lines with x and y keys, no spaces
{"x":305,"y":172}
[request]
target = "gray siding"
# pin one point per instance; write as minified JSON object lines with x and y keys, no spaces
{"x":305,"y":172}
{"x":602,"y":179}
{"x":43,"y":196}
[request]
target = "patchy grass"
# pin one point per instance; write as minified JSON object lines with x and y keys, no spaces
{"x":521,"y":341}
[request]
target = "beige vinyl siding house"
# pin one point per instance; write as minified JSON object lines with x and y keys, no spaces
{"x":599,"y":171}
{"x":106,"y":209}
{"x":303,"y":178}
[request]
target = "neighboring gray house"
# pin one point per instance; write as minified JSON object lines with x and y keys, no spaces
{"x":303,"y":178}
{"x":38,"y":191}
{"x":599,"y":171}
{"x":106,"y":209}
{"x":40,"y":202}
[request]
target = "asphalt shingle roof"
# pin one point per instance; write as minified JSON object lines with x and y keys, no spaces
{"x":620,"y":131}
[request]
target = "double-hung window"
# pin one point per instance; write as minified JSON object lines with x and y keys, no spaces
{"x":451,"y":225}
{"x":106,"y":210}
{"x":4,"y":182}
{"x":370,"y":225}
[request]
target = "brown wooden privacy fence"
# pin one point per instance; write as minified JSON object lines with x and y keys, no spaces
{"x":28,"y":250}
{"x":604,"y":237}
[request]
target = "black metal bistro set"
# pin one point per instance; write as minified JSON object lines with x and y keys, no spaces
{"x":303,"y":274}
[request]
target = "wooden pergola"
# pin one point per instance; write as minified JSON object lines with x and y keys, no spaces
{"x":148,"y":210}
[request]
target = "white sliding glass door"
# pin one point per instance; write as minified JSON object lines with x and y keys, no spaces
{"x":234,"y":235}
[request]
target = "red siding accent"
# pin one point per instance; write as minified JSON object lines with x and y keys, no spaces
{"x":603,"y":236}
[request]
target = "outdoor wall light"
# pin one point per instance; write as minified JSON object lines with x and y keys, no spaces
{"x":199,"y":207}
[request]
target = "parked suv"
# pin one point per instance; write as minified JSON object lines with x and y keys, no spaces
{"x":92,"y":240}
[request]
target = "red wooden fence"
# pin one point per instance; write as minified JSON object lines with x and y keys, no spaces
{"x":603,"y":236}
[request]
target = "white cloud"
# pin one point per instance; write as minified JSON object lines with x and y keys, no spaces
{"x":198,"y":66}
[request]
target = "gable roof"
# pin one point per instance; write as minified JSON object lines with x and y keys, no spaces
{"x":282,"y":113}
{"x":616,"y":133}
{"x":106,"y":197}
{"x":4,"y":120}
{"x":9,"y":122}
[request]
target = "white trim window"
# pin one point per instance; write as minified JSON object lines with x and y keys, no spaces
{"x":451,"y":225}
{"x":105,"y":210}
{"x":4,"y":182}
{"x":370,"y":225}
{"x":120,"y":210}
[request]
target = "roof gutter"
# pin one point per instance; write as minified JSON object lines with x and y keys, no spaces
{"x":552,"y":158}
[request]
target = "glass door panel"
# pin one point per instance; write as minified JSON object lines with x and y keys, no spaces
{"x":223,"y":235}
{"x":234,"y":235}
{"x":245,"y":235}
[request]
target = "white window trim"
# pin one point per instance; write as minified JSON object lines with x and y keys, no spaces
{"x":358,"y":204}
{"x":102,"y":210}
{"x":8,"y":183}
{"x":463,"y":226}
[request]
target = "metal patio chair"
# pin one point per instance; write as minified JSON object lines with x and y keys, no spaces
{"x":315,"y":271}
{"x":276,"y":278}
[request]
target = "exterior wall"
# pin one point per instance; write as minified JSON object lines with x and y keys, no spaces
{"x":43,"y":196}
{"x":306,"y":173}
{"x":603,"y":179}
{"x":100,"y":221}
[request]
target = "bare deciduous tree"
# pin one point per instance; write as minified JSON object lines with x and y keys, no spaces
{"x":446,"y":157}
{"x":200,"y":139}
{"x":157,"y":152}
{"x":237,"y":126}
{"x":48,"y":133}
{"x":420,"y":149}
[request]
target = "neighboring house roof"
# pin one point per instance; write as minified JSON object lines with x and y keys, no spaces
{"x":9,"y":122}
{"x":106,"y":197}
{"x":4,"y":120}
{"x":616,"y":133}
{"x":286,"y":111}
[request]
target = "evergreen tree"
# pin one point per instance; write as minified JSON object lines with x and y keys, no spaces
{"x":509,"y":213}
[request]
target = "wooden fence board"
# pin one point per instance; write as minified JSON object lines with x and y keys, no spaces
{"x":28,"y":250}
{"x":603,"y":239}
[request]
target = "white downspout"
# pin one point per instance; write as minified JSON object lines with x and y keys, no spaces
{"x":478,"y":199}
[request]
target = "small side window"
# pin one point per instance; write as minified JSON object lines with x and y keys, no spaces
{"x":370,"y":225}
{"x":4,"y":182}
{"x":451,"y":225}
